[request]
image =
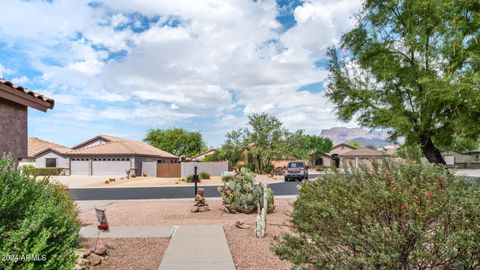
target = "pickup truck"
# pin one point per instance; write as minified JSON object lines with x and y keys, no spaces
{"x":297,"y":170}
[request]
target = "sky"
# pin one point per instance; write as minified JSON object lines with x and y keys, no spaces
{"x":123,"y":67}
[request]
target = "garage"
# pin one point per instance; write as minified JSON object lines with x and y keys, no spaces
{"x":79,"y":166}
{"x":110,"y":166}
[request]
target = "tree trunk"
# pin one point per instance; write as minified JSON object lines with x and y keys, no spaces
{"x":431,"y":152}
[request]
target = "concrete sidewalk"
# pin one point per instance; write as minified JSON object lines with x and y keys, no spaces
{"x":128,"y":232}
{"x":198,"y":247}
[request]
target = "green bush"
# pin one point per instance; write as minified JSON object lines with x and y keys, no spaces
{"x":227,"y":178}
{"x":393,"y":216}
{"x":189,"y":179}
{"x":241,"y":194}
{"x":30,"y":170}
{"x":204,"y":175}
{"x":37,"y":218}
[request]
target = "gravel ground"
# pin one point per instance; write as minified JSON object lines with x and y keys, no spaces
{"x":131,"y":253}
{"x":248,"y":251}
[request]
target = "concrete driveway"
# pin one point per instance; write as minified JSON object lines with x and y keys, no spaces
{"x":77,"y":181}
{"x":468,"y":172}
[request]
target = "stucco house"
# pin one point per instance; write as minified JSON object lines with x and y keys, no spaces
{"x":14,"y":103}
{"x":361,"y":156}
{"x":204,"y":154}
{"x":101,"y":155}
{"x":332,"y":157}
{"x":44,"y":154}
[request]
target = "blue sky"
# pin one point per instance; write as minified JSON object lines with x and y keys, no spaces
{"x":122,"y":67}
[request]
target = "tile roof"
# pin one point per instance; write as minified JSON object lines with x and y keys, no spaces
{"x":363,"y":152}
{"x":38,"y":101}
{"x":107,"y":138}
{"x":37,"y":146}
{"x":122,"y":147}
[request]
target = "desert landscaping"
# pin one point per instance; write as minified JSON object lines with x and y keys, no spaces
{"x":248,"y":251}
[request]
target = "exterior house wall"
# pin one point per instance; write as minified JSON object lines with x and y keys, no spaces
{"x":149,"y":167}
{"x":461,"y":160}
{"x":13,"y":129}
{"x":62,"y":161}
{"x":212,"y":168}
{"x":326,"y":162}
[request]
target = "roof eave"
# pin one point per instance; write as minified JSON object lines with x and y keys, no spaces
{"x":14,"y":95}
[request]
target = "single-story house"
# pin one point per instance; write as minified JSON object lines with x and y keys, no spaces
{"x":44,"y":154}
{"x":466,"y":160}
{"x":332,"y":157}
{"x":101,"y":155}
{"x":204,"y":154}
{"x":14,"y":103}
{"x":361,"y":156}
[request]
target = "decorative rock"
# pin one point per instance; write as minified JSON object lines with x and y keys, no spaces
{"x":86,"y":253}
{"x":77,"y":267}
{"x":200,"y":202}
{"x":100,"y":250}
{"x":203,"y":209}
{"x":95,"y":259}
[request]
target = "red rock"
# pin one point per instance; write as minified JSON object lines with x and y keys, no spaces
{"x":87,"y":253}
{"x":95,"y":259}
{"x":100,"y":250}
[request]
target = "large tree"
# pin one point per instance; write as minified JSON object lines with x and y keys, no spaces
{"x":177,"y":141}
{"x":412,"y":67}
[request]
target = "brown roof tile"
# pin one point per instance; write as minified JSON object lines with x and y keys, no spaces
{"x":122,"y":147}
{"x":37,"y":146}
{"x":32,"y":99}
{"x":363,"y":152}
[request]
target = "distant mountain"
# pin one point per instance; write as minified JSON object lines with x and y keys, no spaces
{"x":364,"y":137}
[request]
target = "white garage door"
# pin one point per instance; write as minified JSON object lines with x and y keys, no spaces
{"x":79,"y":167}
{"x":110,"y":166}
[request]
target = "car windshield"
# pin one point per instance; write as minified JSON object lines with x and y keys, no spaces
{"x":296,"y":165}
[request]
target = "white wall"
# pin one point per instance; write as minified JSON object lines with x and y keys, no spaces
{"x":62,"y":161}
{"x":212,"y":168}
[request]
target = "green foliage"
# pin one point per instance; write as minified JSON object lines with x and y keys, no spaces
{"x":411,"y":67}
{"x":392,"y":216}
{"x":36,"y":218}
{"x":177,"y":141}
{"x":267,"y":139}
{"x":33,"y":171}
{"x":227,"y":178}
{"x":189,"y":179}
{"x":463,"y":145}
{"x":204,"y":175}
{"x":354,"y":144}
{"x":242,"y":195}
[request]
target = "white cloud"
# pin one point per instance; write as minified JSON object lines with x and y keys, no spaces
{"x":217,"y":58}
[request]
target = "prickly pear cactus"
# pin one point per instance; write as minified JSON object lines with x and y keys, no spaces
{"x":242,"y":194}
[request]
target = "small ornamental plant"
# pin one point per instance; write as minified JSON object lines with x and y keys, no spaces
{"x":389,"y":216}
{"x":39,"y":225}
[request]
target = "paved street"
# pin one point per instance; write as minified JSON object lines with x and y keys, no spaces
{"x":145,"y":193}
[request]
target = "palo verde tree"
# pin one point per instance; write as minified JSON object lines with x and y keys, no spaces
{"x":412,"y":67}
{"x":177,"y":141}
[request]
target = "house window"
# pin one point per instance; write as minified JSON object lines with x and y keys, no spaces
{"x":477,"y":157}
{"x":319,"y":162}
{"x":50,"y":162}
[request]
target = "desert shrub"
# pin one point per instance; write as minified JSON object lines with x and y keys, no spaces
{"x":189,"y":179}
{"x":393,"y":216}
{"x":227,"y":178}
{"x":241,"y":194}
{"x":37,"y":219}
{"x":204,"y":175}
{"x":33,"y":171}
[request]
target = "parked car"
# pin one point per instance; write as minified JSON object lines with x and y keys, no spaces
{"x":297,"y":170}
